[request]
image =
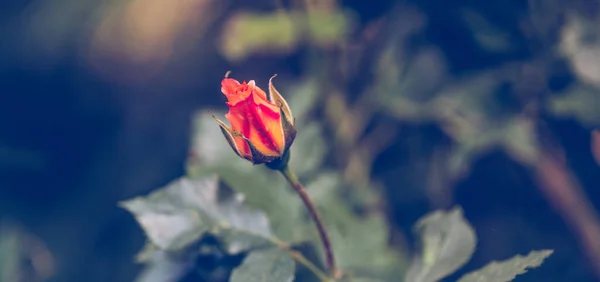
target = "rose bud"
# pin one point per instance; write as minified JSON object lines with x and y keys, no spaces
{"x":262,"y":126}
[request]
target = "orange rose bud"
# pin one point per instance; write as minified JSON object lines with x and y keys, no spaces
{"x":262,"y":126}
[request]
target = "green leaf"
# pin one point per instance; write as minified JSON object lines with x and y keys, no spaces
{"x":507,"y":270}
{"x":270,"y":265}
{"x":448,"y":242}
{"x":186,"y":209}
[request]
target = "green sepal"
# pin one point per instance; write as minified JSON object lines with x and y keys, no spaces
{"x":275,"y":97}
{"x":287,"y":119}
{"x":228,"y":136}
{"x":289,"y":131}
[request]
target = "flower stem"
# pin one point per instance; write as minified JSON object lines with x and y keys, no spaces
{"x":312,"y":209}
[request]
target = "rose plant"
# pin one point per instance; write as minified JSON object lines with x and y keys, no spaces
{"x":245,"y":218}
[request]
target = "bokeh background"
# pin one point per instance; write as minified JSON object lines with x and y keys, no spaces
{"x":490,"y":105}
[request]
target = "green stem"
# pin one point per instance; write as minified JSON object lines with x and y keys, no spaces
{"x":308,"y":264}
{"x":312,"y":209}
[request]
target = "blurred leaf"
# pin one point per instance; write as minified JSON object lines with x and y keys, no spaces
{"x":472,"y":99}
{"x":146,"y":253}
{"x":327,"y":27}
{"x":302,"y":98}
{"x":400,"y":75}
{"x":406,"y":88}
{"x":308,"y":150}
{"x":247,"y":33}
{"x":162,"y":267}
{"x":181,"y":213}
{"x":580,"y":102}
{"x":520,"y":140}
{"x":515,"y":135}
{"x":507,"y":270}
{"x":491,"y":38}
{"x":401,"y":92}
{"x":270,"y":265}
{"x":471,"y":113}
{"x":448,"y":242}
{"x":578,"y":43}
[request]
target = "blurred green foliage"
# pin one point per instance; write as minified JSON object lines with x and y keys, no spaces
{"x":367,"y":88}
{"x":282,"y":32}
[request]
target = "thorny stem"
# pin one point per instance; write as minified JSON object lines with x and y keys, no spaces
{"x":312,"y":209}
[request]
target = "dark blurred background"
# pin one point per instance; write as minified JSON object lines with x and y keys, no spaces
{"x":487,"y":104}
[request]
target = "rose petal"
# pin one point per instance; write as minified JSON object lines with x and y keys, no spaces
{"x":260,"y":123}
{"x":235,"y":91}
